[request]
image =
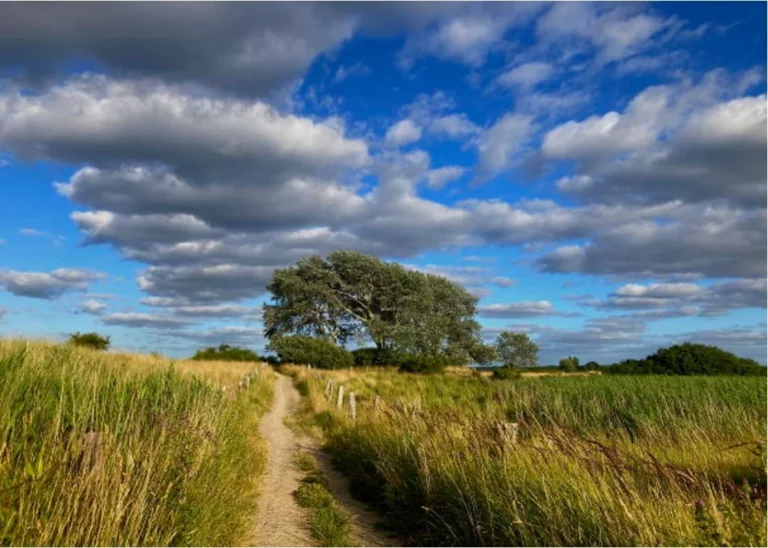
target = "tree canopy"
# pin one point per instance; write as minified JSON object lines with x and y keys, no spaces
{"x":689,"y":359}
{"x":90,"y":340}
{"x":517,"y":350}
{"x":225,"y":352}
{"x":349,"y":295}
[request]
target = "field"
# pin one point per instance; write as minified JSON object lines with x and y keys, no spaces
{"x":590,"y":460}
{"x":110,"y":449}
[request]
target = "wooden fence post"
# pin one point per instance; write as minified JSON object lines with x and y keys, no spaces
{"x":376,"y":405}
{"x":340,"y":398}
{"x":352,"y":406}
{"x":328,"y":389}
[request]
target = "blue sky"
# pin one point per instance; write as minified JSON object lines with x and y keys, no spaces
{"x":594,"y":173}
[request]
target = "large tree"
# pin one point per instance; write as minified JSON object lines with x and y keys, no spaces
{"x":349,"y":294}
{"x":517,"y":350}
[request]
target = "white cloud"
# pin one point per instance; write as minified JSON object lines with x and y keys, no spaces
{"x":402,"y":133}
{"x":501,"y":144}
{"x":438,"y":178}
{"x":523,"y":309}
{"x":527,"y":75}
{"x":136,"y":319}
{"x":93,"y":307}
{"x":42,"y":285}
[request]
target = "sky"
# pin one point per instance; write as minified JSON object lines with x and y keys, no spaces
{"x":594,"y":173}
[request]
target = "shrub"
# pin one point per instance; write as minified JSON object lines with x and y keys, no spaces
{"x":424,"y":364}
{"x":592,"y":366}
{"x":506,"y":372}
{"x":689,"y":359}
{"x":304,"y":350}
{"x":373,"y":356}
{"x":569,"y":364}
{"x":226,"y":353}
{"x":90,"y":340}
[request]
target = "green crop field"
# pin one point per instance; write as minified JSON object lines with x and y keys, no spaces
{"x":573,"y":460}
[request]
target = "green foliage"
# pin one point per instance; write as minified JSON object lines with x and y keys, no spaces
{"x":90,"y":340}
{"x":517,"y":349}
{"x":569,"y":364}
{"x":350,"y":294}
{"x":483,"y":354}
{"x":507,"y":372}
{"x":592,"y":366}
{"x":689,"y":359}
{"x":373,"y":356}
{"x":424,"y":364}
{"x":304,"y":350}
{"x":227,"y":353}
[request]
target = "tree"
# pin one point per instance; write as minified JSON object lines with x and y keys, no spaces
{"x":592,"y":366}
{"x":689,"y":359}
{"x":227,"y":353}
{"x":351,"y":295}
{"x":569,"y":364}
{"x":90,"y":340}
{"x":517,"y":350}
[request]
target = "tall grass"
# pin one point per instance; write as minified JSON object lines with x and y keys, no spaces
{"x":597,"y":460}
{"x":109,"y":449}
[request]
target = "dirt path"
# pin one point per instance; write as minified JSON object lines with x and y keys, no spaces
{"x":281,"y":521}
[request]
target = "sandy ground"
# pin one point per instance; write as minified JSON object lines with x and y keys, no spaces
{"x":280,"y":520}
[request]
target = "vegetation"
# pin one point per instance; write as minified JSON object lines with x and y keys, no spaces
{"x":328,"y":524}
{"x":304,"y":350}
{"x":517,"y":350}
{"x":590,"y":460}
{"x":89,"y":340}
{"x":506,"y":372}
{"x":424,"y":364}
{"x":569,"y":364}
{"x":226,"y":353}
{"x":376,"y":357}
{"x":112,"y":449}
{"x":350,"y":295}
{"x":689,"y":359}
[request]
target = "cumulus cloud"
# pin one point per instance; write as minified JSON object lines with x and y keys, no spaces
{"x":500,"y":146}
{"x":687,"y":299}
{"x":234,"y":335}
{"x":402,"y":133}
{"x":43,"y":285}
{"x":438,"y":178}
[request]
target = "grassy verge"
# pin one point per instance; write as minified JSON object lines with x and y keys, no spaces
{"x":328,"y":524}
{"x":110,"y":449}
{"x":596,"y":460}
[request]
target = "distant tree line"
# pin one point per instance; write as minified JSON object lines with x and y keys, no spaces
{"x":227,"y":353}
{"x":689,"y":359}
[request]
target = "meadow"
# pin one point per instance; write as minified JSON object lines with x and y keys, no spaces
{"x":577,"y":460}
{"x":113,"y":449}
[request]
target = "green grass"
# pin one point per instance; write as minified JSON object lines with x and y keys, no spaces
{"x":105,"y":449}
{"x":598,"y":460}
{"x":329,"y":525}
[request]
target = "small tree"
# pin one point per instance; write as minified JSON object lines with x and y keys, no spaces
{"x":517,"y":350}
{"x":89,"y":340}
{"x":592,"y":366}
{"x":226,"y":353}
{"x":569,"y":364}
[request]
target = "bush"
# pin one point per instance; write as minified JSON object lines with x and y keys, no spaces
{"x":424,"y":364}
{"x":226,"y":353}
{"x":569,"y":364}
{"x":373,"y":356}
{"x":592,"y":366}
{"x":689,"y":359}
{"x":304,"y":350}
{"x":506,"y":372}
{"x":90,"y":340}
